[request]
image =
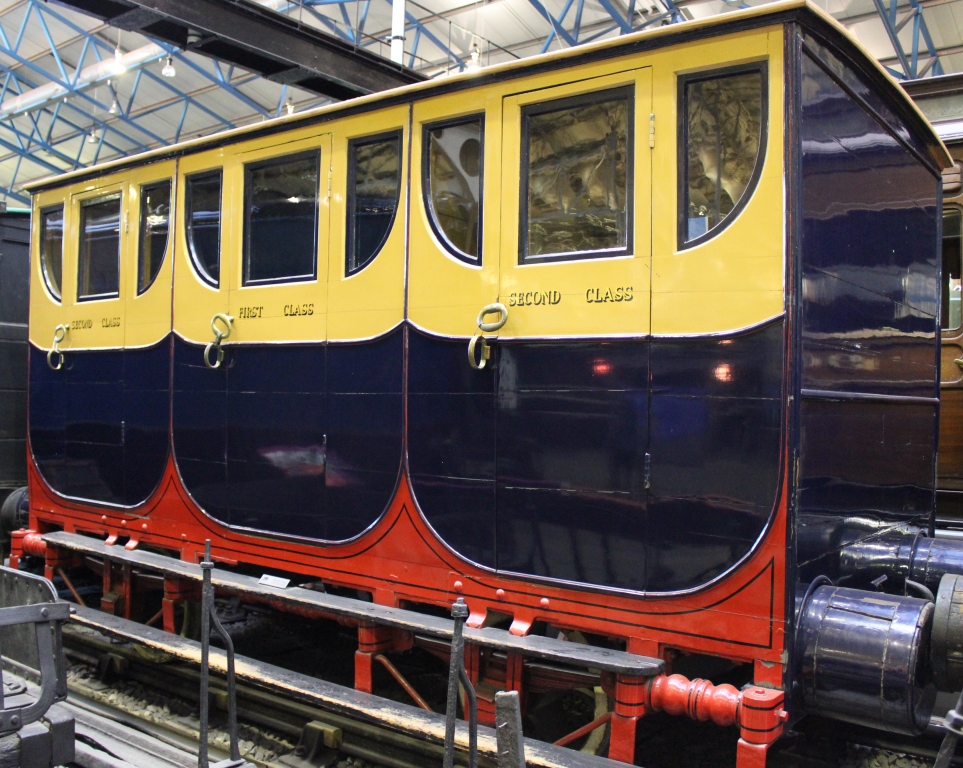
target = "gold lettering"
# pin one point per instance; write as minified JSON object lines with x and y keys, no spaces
{"x":606,"y":295}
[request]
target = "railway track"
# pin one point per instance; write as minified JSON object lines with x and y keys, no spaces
{"x":158,"y":692}
{"x":139,"y":690}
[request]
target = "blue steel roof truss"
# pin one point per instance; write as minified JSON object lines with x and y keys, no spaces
{"x":47,"y":141}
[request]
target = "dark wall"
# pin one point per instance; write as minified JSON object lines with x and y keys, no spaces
{"x":14,"y":280}
{"x":869,"y":316}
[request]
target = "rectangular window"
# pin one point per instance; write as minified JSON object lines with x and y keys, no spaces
{"x":98,"y":275}
{"x":374,"y":185}
{"x":576,"y":173}
{"x":951,"y":310}
{"x":155,"y":221}
{"x":281,"y":219}
{"x":52,"y":248}
{"x":453,"y":183}
{"x":203,"y":218}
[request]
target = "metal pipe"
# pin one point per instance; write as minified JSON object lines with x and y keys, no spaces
{"x":398,"y":31}
{"x":583,"y":731}
{"x":948,"y":533}
{"x":74,"y":592}
{"x":231,"y":683}
{"x":89,"y":75}
{"x":209,"y":619}
{"x":399,"y":678}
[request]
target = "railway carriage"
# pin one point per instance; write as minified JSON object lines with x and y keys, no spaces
{"x":637,"y":340}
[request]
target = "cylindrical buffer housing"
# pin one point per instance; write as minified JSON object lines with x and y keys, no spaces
{"x":946,"y":651}
{"x":862,"y":657}
{"x":934,"y":558}
{"x":900,"y":554}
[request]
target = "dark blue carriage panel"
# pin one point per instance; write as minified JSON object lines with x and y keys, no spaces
{"x":199,"y":422}
{"x":147,"y":415}
{"x":856,"y":340}
{"x":451,"y":444}
{"x":365,"y":441}
{"x":274,"y":413}
{"x":98,"y":427}
{"x":296,"y":439}
{"x":716,"y":425}
{"x":869,"y":266}
{"x":864,"y":467}
{"x":572,"y":424}
{"x":855,"y":83}
{"x":869,"y":320}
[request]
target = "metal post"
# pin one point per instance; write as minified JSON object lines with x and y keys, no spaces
{"x":208,"y":619}
{"x":456,"y":674}
{"x":508,"y":730}
{"x":398,"y":31}
{"x":207,"y":605}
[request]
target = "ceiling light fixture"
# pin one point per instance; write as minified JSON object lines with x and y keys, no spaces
{"x":92,"y":137}
{"x":475,"y":62}
{"x":114,"y":107}
{"x":289,"y":106}
{"x":118,"y":63}
{"x":168,"y":70}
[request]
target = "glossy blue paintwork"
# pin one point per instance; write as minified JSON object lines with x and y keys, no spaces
{"x":537,"y":466}
{"x":869,"y":266}
{"x":451,"y":444}
{"x":869,"y":321}
{"x":870,"y":96}
{"x":715,"y":444}
{"x":300,"y":439}
{"x":98,"y":427}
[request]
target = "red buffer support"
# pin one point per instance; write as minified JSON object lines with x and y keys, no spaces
{"x":757,"y":711}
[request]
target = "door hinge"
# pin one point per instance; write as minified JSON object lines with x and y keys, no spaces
{"x":329,"y":182}
{"x":652,"y":130}
{"x":648,"y":472}
{"x":126,"y":221}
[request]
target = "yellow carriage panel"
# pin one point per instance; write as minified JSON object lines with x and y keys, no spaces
{"x":734,"y":279}
{"x":581,"y":152}
{"x":50,"y":225}
{"x":95,"y":269}
{"x":150,"y":245}
{"x":445,"y":292}
{"x":286,"y":299}
{"x":366,"y":268}
{"x":199,"y":294}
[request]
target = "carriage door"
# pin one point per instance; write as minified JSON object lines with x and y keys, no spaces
{"x":366,"y":299}
{"x":275,"y":415}
{"x":201,"y":269}
{"x":86,"y":365}
{"x":147,"y":327}
{"x":571,"y":356}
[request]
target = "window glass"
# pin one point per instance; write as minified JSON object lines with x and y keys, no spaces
{"x":454,"y":174}
{"x":98,"y":275}
{"x":951,"y":311}
{"x":155,"y":215}
{"x":203,"y":217}
{"x":52,"y":248}
{"x":576,"y":177}
{"x":723,"y":135}
{"x":281,"y":218}
{"x":374,"y":181}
